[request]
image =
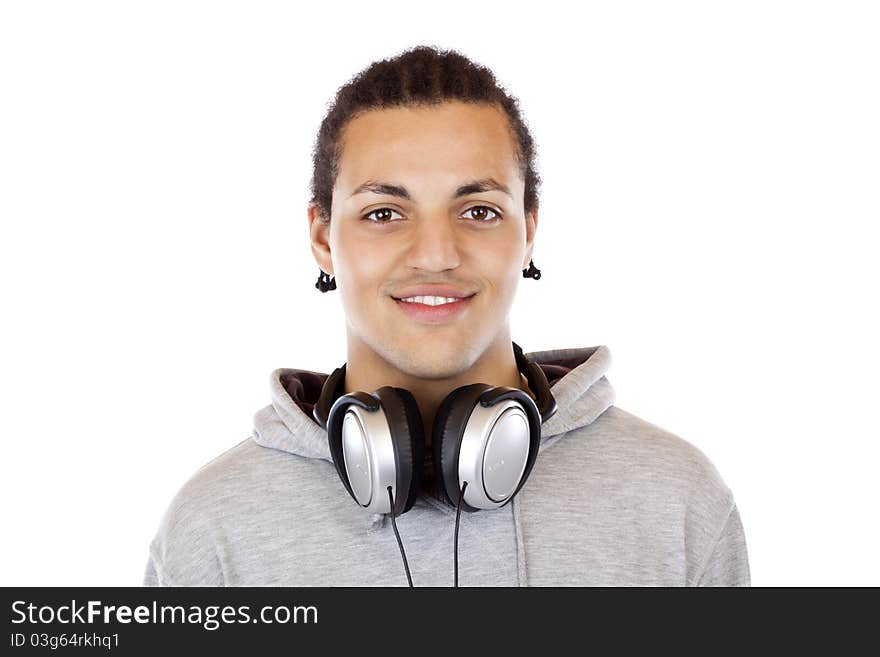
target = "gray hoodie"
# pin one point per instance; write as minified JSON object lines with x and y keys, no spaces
{"x":612,"y":500}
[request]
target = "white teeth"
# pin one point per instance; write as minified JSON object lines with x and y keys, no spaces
{"x":430,"y":301}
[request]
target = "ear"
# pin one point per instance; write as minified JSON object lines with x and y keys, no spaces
{"x":531,"y":229}
{"x":319,"y":233}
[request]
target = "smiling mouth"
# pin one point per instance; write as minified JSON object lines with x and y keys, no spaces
{"x":436,"y":311}
{"x":432,"y":300}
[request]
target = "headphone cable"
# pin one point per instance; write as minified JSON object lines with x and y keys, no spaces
{"x":399,"y":542}
{"x":457,"y":517}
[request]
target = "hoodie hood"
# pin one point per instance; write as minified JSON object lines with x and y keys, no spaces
{"x":576,"y":377}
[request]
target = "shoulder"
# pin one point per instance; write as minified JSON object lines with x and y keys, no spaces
{"x":651,"y":452}
{"x":204,"y":492}
{"x":671,"y":476}
{"x":652,"y":495}
{"x":631,"y":463}
{"x":184,"y":549}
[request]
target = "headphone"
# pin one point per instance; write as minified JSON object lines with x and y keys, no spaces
{"x":485,"y":441}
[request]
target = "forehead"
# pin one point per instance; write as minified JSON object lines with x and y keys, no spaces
{"x":450,"y":141}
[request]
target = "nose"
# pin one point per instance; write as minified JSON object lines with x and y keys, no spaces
{"x":434,"y":244}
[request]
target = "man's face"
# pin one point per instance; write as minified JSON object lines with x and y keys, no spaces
{"x":380,"y":244}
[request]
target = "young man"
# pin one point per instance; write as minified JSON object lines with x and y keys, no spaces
{"x":425,"y":210}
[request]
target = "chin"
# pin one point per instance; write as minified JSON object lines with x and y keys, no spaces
{"x":431,"y":359}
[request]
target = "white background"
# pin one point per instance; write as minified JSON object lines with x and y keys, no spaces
{"x":709,"y":213}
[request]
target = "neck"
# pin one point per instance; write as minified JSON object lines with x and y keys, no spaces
{"x":430,"y":380}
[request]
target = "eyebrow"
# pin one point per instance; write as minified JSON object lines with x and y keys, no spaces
{"x":470,"y":187}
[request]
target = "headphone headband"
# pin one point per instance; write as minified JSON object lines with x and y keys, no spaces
{"x":537,"y":382}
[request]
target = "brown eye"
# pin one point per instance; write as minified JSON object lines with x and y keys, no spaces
{"x":383,"y":215}
{"x":480,"y":214}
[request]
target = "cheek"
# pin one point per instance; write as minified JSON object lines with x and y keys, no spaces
{"x":501,"y":264}
{"x":357,"y":258}
{"x":364,"y":270}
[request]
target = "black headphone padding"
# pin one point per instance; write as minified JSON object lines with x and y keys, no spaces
{"x":402,"y":414}
{"x":453,"y":413}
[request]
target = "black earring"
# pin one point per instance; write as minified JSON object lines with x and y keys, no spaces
{"x":325,"y":283}
{"x":532,"y":271}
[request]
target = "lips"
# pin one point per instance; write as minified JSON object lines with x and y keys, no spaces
{"x":433,"y":291}
{"x":424,"y":313}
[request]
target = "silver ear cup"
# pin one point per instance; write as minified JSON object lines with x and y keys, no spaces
{"x":493,"y":454}
{"x":356,"y":456}
{"x":368,"y":454}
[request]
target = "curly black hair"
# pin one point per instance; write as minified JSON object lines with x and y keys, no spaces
{"x":420,"y":76}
